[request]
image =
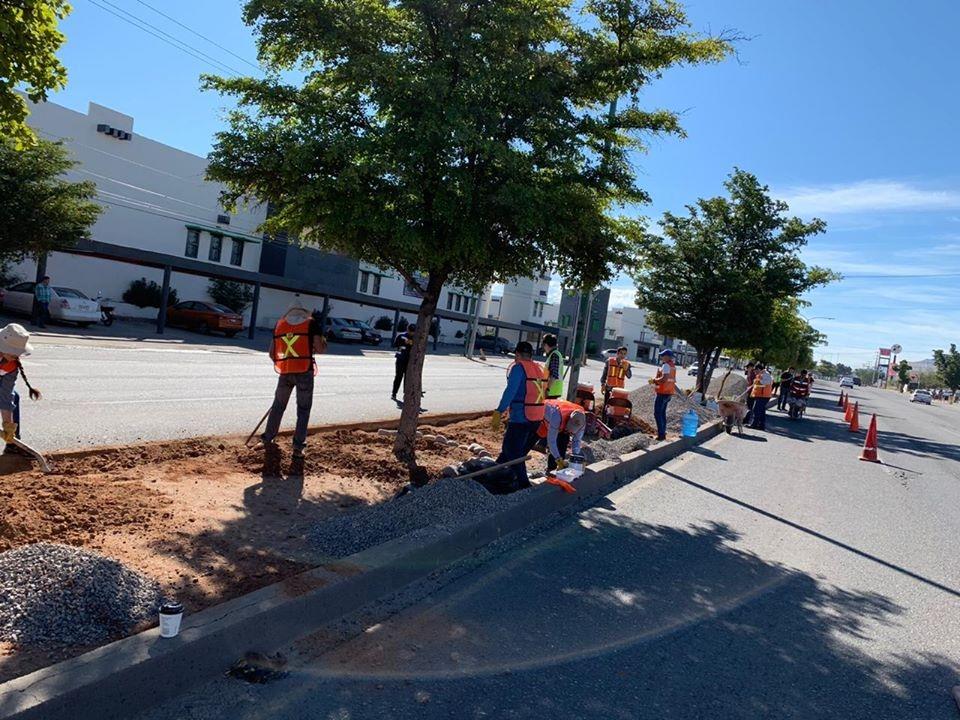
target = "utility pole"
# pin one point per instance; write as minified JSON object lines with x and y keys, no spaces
{"x":472,"y":332}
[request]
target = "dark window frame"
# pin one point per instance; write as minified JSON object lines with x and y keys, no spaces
{"x":215,"y":241}
{"x":192,"y":249}
{"x":236,"y":253}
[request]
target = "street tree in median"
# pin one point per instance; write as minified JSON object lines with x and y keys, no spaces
{"x":29,"y":40}
{"x":903,"y":372}
{"x":456,"y":142}
{"x":948,"y":366}
{"x":788,"y":340}
{"x":717,"y":275}
{"x":40,"y":210}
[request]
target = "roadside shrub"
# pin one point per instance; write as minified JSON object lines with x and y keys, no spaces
{"x":383,"y":323}
{"x":235,"y":295}
{"x":403,"y":325}
{"x":146,"y":293}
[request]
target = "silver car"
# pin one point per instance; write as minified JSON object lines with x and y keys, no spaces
{"x":921,"y":396}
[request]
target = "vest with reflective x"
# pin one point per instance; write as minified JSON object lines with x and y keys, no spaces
{"x":535,"y":392}
{"x":291,"y":351}
{"x":617,"y":372}
{"x":555,"y":388}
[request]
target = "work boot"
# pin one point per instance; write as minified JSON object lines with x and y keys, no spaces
{"x":299,"y":453}
{"x":12,"y":449}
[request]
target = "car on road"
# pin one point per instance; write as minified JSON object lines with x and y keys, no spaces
{"x":609,"y":353}
{"x":367,"y":334}
{"x":921,"y":396}
{"x":342,"y":330}
{"x":205,"y":317}
{"x":66,"y":304}
{"x":846,"y":382}
{"x":693,"y":369}
{"x":493,"y":343}
{"x":856,"y":380}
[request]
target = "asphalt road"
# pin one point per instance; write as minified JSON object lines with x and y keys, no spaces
{"x":123,"y":388}
{"x":769,"y":576}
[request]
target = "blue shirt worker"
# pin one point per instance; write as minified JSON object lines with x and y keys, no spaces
{"x":42,"y":295}
{"x":523,"y":400}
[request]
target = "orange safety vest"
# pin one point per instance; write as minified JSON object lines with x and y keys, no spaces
{"x":566,"y":409}
{"x":8,"y":366}
{"x":668,"y":384}
{"x":762,"y":391}
{"x":616,"y":373}
{"x":536,"y":389}
{"x":291,"y":351}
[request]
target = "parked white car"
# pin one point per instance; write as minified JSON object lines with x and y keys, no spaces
{"x":66,"y":304}
{"x":846,"y":382}
{"x":921,"y":396}
{"x":693,"y":369}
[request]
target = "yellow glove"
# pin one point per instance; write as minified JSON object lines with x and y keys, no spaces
{"x":9,"y":432}
{"x":496,"y":421}
{"x":652,"y":381}
{"x":561,"y":464}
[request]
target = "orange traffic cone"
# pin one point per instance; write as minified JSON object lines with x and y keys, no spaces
{"x":869,"y":452}
{"x":855,"y":420}
{"x":848,"y":412}
{"x":840,"y":400}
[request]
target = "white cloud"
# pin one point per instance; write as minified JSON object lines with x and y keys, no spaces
{"x":622,"y":297}
{"x":867,"y":196}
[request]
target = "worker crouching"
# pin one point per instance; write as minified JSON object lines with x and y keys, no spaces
{"x":563,"y":424}
{"x":523,"y":400}
{"x":297,"y":337}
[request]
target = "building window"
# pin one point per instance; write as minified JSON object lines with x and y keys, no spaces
{"x":376,"y":284}
{"x":449,"y":301}
{"x":473,"y":306}
{"x":369,"y":283}
{"x":216,"y":245}
{"x":364,"y":281}
{"x":193,"y":243}
{"x":459,"y":302}
{"x":236,"y":253}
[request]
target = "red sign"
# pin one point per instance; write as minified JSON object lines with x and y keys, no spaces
{"x":884,"y":352}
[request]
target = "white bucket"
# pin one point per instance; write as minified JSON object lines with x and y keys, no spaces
{"x":170,"y":616}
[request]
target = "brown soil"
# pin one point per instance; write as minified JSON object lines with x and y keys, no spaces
{"x":209,"y":519}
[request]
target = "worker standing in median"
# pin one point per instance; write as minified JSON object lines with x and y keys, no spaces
{"x":564,"y":423}
{"x":615,"y":373}
{"x":14,"y":344}
{"x":666,"y":384}
{"x":761,"y":392}
{"x":297,"y":337}
{"x":786,"y":379}
{"x":554,"y":366}
{"x":402,"y":343}
{"x":523,"y":399}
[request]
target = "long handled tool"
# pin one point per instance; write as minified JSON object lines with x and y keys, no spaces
{"x":484,"y":471}
{"x":247,"y":441}
{"x":44,"y":465}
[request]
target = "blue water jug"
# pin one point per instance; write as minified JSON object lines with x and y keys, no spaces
{"x":689,"y":424}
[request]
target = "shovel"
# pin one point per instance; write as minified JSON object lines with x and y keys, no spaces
{"x":34,"y":454}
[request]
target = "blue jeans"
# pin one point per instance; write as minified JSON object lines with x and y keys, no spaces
{"x":660,"y":415}
{"x":517,"y":441}
{"x":760,"y":413}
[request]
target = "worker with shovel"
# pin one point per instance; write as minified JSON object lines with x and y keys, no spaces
{"x":524,"y":399}
{"x":297,"y":337}
{"x":666,"y":384}
{"x":14,"y":344}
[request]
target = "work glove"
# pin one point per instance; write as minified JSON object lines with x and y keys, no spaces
{"x":651,"y":381}
{"x":9,"y":432}
{"x":496,"y":421}
{"x":561,"y":464}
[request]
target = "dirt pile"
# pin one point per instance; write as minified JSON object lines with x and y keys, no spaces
{"x":643,"y":399}
{"x":733,"y":387}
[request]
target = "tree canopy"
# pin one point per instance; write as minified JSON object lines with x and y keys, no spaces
{"x":948,"y":366}
{"x":723,"y":274}
{"x":29,"y":40}
{"x":464,"y":141}
{"x":40,"y":210}
{"x":788,"y":339}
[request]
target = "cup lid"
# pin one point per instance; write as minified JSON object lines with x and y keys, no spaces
{"x":171,"y":608}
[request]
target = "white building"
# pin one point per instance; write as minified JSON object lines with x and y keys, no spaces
{"x":627,"y":326}
{"x":523,"y":301}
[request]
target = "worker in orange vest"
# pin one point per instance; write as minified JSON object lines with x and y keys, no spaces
{"x":563,"y":422}
{"x":761,"y":392}
{"x":523,"y":399}
{"x":666,"y":384}
{"x":14,"y":344}
{"x":615,"y":373}
{"x":297,"y":337}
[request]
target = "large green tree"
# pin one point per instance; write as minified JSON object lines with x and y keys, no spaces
{"x":461,"y":141}
{"x":948,"y":366}
{"x":789,"y":340}
{"x":40,"y":210}
{"x":717,"y":275}
{"x":29,"y":40}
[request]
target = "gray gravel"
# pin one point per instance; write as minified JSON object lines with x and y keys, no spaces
{"x":644,"y":397}
{"x":54,"y":595}
{"x":614,"y":449}
{"x":438,"y":508}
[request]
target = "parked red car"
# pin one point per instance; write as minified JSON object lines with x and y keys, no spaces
{"x":205,"y":317}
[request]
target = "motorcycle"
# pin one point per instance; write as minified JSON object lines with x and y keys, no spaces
{"x":798,"y":407}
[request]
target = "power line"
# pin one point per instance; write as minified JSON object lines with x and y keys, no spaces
{"x":156,"y":210}
{"x":161,"y":35}
{"x":145,"y":190}
{"x":203,"y":37}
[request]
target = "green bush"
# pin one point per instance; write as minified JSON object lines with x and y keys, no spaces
{"x":235,"y":295}
{"x":146,"y":293}
{"x":383,"y":323}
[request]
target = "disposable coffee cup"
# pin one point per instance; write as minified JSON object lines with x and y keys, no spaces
{"x":171,"y":614}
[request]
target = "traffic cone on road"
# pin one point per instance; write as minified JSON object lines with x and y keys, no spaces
{"x":840,"y":400}
{"x":869,"y":452}
{"x":848,"y":412}
{"x":855,"y":420}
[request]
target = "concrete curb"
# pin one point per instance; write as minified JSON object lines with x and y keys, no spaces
{"x":138,"y":672}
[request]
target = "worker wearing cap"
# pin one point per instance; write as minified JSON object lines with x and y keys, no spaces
{"x":563,"y":422}
{"x":297,"y":337}
{"x":14,"y":344}
{"x":523,"y":399}
{"x":554,"y":366}
{"x":666,"y":383}
{"x":761,"y":392}
{"x":615,"y":373}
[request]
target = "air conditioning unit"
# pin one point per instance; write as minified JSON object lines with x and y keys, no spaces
{"x":113,"y":132}
{"x":223,"y":219}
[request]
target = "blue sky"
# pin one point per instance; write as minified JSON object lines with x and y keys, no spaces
{"x":848,"y":109}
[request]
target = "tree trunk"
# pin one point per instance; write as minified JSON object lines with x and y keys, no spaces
{"x":404,"y":448}
{"x":707,"y":360}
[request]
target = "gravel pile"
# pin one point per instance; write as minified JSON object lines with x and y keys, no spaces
{"x":598,"y":450}
{"x":440,"y":507}
{"x":54,"y":595}
{"x":734,"y":386}
{"x":644,"y":397}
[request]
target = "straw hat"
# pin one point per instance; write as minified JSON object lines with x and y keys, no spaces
{"x":15,"y":340}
